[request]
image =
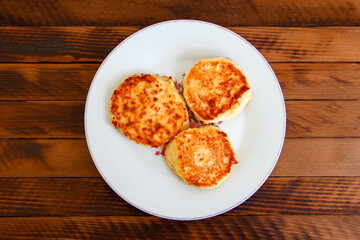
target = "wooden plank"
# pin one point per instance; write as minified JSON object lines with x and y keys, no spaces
{"x":319,"y":157}
{"x":222,"y":227}
{"x":53,"y":119}
{"x":140,"y":12}
{"x":91,"y":196}
{"x":45,"y":81}
{"x":46,"y":158}
{"x":46,"y":119}
{"x":335,"y":44}
{"x":304,"y":195}
{"x":71,"y":81}
{"x":71,"y":158}
{"x":323,"y":118}
{"x":79,"y":44}
{"x":319,"y":80}
{"x":60,"y":44}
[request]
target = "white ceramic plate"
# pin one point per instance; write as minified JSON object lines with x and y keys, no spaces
{"x":144,"y":180}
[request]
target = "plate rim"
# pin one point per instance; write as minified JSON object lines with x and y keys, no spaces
{"x":283,"y":108}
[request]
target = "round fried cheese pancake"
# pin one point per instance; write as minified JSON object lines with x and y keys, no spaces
{"x":148,"y":109}
{"x":202,"y":157}
{"x":215,"y":89}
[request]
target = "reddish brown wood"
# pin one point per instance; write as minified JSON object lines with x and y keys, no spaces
{"x":41,"y":119}
{"x":45,"y":81}
{"x":79,"y":44}
{"x":323,"y":118}
{"x":91,"y":196}
{"x":60,"y":44}
{"x":319,"y":157}
{"x":50,"y":51}
{"x":45,"y":158}
{"x":335,"y":44}
{"x":140,"y":12}
{"x":71,"y":158}
{"x":71,"y":81}
{"x":52,"y":119}
{"x":304,"y":195}
{"x":319,"y":80}
{"x":244,"y":227}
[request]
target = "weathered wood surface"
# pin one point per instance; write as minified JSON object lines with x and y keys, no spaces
{"x":92,"y":196}
{"x":93,"y":44}
{"x":71,"y":81}
{"x":49,"y":53}
{"x":140,"y":12}
{"x":224,"y":227}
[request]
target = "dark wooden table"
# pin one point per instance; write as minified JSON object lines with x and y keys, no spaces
{"x":50,"y":51}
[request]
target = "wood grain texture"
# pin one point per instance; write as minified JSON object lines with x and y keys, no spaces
{"x":71,"y":158}
{"x":46,"y":158}
{"x":54,"y":119}
{"x":60,"y":44}
{"x":79,"y":44}
{"x":49,"y":185}
{"x":319,"y":80}
{"x":224,"y":227}
{"x":46,"y":119}
{"x":319,"y":157}
{"x":140,"y":12}
{"x":323,"y":118}
{"x":92,"y":196}
{"x":336,"y":44}
{"x":45,"y":81}
{"x":71,"y":81}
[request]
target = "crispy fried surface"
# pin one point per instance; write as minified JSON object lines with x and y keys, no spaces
{"x":202,"y":157}
{"x":215,"y":89}
{"x":148,"y":109}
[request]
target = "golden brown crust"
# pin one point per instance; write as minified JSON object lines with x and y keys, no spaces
{"x":148,"y":109}
{"x":214,"y":87}
{"x":202,"y":157}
